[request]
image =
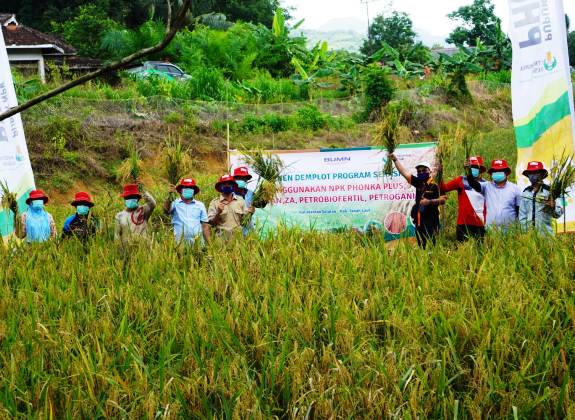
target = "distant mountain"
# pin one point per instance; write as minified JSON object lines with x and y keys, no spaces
{"x":337,"y":40}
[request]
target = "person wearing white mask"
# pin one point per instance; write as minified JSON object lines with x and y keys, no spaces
{"x":189,"y":216}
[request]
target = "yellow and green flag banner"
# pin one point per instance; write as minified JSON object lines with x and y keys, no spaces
{"x":541,"y":87}
{"x":15,"y":168}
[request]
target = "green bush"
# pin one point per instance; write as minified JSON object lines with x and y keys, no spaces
{"x":309,"y":117}
{"x":378,"y":90}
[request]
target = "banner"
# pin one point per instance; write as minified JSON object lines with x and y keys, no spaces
{"x":334,"y":189}
{"x":542,"y":94}
{"x":15,"y":168}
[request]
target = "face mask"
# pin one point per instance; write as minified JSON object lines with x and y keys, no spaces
{"x":242,"y":184}
{"x":82,"y":210}
{"x":187,"y":193}
{"x":423,"y":176}
{"x":534,"y":178}
{"x":227,"y":189}
{"x":475,"y":172}
{"x":498,"y":177}
{"x":37,"y":204}
{"x":131,"y":203}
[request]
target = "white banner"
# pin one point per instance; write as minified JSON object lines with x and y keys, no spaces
{"x":333,"y":189}
{"x":15,"y":168}
{"x":543,"y":111}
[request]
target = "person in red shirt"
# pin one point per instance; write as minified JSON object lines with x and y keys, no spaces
{"x":471,"y":204}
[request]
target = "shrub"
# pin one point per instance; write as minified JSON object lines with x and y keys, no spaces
{"x":309,"y":117}
{"x":378,"y":90}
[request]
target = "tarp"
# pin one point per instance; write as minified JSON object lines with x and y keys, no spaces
{"x":15,"y":168}
{"x":542,"y":93}
{"x":335,"y":189}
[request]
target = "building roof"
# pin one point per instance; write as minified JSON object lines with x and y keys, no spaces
{"x":21,"y":36}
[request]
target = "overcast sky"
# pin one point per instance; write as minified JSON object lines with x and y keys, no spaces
{"x":428,"y":15}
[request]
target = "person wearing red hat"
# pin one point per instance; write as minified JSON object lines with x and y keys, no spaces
{"x":36,"y":224}
{"x":502,"y":197}
{"x":189,"y":216}
{"x":538,"y":208}
{"x":81,"y":224}
{"x":425,"y":211}
{"x":471,"y":204}
{"x":227,"y":211}
{"x":132,"y":222}
{"x":242,"y":177}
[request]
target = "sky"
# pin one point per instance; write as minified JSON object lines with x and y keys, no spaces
{"x":428,"y":16}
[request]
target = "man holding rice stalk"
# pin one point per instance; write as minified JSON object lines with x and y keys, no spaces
{"x":132,"y":222}
{"x":227,"y":211}
{"x":189,"y":216}
{"x":538,"y":207}
{"x":471,"y":204}
{"x":502,"y":197}
{"x":242,"y":177}
{"x":36,"y":224}
{"x":81,"y":224}
{"x":425,"y":211}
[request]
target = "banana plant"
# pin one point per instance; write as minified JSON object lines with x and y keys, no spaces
{"x":309,"y":75}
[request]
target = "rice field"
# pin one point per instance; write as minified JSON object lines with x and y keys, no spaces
{"x":299,"y":325}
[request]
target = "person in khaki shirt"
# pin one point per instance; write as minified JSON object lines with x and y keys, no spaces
{"x":226,"y":212}
{"x":132,"y":222}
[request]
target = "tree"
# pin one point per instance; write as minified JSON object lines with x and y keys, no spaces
{"x":395,"y":30}
{"x":571,"y":43}
{"x":85,"y":30}
{"x":477,"y":21}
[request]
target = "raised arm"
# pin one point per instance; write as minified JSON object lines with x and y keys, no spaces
{"x":404,"y":172}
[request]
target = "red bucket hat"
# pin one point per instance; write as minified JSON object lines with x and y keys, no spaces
{"x":82,"y":198}
{"x":187,"y":183}
{"x":242,"y":172}
{"x":477,"y":161}
{"x":131,"y":190}
{"x":223,"y":179}
{"x":37,"y":195}
{"x":498,"y":165}
{"x":536,"y":167}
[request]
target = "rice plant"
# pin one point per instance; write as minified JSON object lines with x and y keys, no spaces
{"x":131,"y":169}
{"x":388,"y":133}
{"x":562,"y":176}
{"x":9,"y":199}
{"x":176,"y":160}
{"x":269,"y":169}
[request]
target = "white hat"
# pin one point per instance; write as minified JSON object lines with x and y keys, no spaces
{"x":426,"y":164}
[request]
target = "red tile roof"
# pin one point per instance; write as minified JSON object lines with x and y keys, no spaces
{"x":25,"y":36}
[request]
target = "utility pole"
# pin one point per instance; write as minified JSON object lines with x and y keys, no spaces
{"x":366,"y":2}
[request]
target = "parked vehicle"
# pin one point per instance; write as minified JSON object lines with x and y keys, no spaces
{"x":159,"y":68}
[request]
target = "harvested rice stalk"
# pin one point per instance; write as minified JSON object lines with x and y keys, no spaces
{"x":562,"y":176}
{"x":9,"y":199}
{"x":388,"y":134}
{"x":176,"y":160}
{"x":131,"y":168}
{"x":268,"y":168}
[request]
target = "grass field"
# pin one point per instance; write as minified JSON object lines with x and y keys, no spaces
{"x":298,"y":325}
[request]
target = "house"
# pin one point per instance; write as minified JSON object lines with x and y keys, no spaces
{"x":28,"y":48}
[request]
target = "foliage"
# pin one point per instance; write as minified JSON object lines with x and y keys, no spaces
{"x":478,"y":22}
{"x":85,"y":30}
{"x":457,"y":67}
{"x":132,"y":167}
{"x":562,"y":176}
{"x":395,"y":30}
{"x":378,"y":90}
{"x":269,"y":169}
{"x":176,"y":160}
{"x":571,"y":43}
{"x":387,"y":133}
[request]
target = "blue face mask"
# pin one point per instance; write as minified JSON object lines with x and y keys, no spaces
{"x":82,"y":210}
{"x":242,"y":184}
{"x":475,"y":172}
{"x":227,"y":189}
{"x":498,"y":177}
{"x":131,"y":203}
{"x":37,"y":204}
{"x":423,"y":176}
{"x":187,"y":193}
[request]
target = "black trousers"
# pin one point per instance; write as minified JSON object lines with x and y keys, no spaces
{"x":426,"y":233}
{"x":465,"y":232}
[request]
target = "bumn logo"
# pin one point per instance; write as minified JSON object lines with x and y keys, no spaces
{"x":550,"y":62}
